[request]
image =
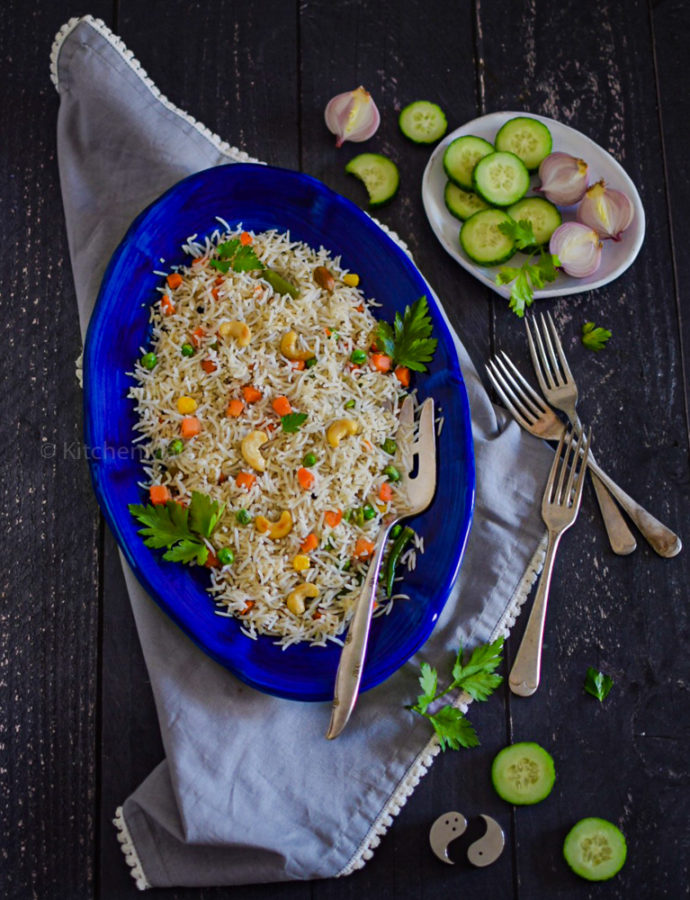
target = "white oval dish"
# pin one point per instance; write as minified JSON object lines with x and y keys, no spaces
{"x":617,"y":255}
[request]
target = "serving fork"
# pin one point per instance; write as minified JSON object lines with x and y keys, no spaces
{"x":559,"y":510}
{"x":418,"y":491}
{"x":559,"y":387}
{"x":534,"y":415}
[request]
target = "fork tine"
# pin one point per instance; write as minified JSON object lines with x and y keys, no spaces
{"x":559,"y":496}
{"x":540,"y":364}
{"x":537,"y":402}
{"x":559,"y":347}
{"x":583,"y":447}
{"x":505,"y":399}
{"x":574,"y":450}
{"x":555,"y":468}
{"x":527,"y":407}
{"x":549,"y":354}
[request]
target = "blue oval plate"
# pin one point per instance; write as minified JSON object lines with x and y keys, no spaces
{"x":261,"y":197}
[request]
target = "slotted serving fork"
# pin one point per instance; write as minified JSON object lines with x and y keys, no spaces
{"x":419,"y":492}
{"x":534,"y":415}
{"x":559,"y":510}
{"x":559,"y":387}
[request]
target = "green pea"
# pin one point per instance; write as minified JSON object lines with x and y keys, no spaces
{"x":226,"y":557}
{"x":149,"y":360}
{"x":187,"y":350}
{"x":243,"y":517}
{"x":350,"y":404}
{"x":358,"y":357}
{"x":391,"y":473}
{"x":158,"y":453}
{"x":368,"y":511}
{"x":346,"y":565}
{"x":309,"y":460}
{"x":310,"y":363}
{"x":389,"y":446}
{"x":175,"y":447}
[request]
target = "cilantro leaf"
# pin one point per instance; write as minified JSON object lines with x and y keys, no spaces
{"x":428,"y":681}
{"x":227,"y":249}
{"x":521,"y":232}
{"x":292,"y":422}
{"x":180,"y":529}
{"x":477,"y":678}
{"x":165,"y":524}
{"x":385,"y":338}
{"x":187,"y":551}
{"x":408,"y":341}
{"x":528,"y":277}
{"x":246,"y":260}
{"x":597,"y":684}
{"x":204,"y":514}
{"x":231,"y":255}
{"x":453,"y":728}
{"x":594,"y":338}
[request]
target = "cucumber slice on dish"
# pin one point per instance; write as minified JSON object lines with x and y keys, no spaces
{"x":461,"y":156}
{"x":379,"y":174}
{"x":482,"y":239}
{"x":501,"y":178}
{"x":523,"y":774}
{"x":542,"y":216}
{"x":595,"y":849}
{"x":423,"y":122}
{"x":527,"y":138}
{"x":462,"y":204}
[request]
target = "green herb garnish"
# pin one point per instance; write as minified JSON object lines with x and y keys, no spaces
{"x":292,"y":422}
{"x":521,"y":232}
{"x":232,"y":255}
{"x":408,"y":340}
{"x":180,"y":528}
{"x":477,"y":678}
{"x":527,"y":278}
{"x":597,"y":684}
{"x":594,"y":338}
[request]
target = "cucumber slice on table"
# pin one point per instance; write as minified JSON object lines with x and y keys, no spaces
{"x":423,"y":122}
{"x":379,"y":174}
{"x":542,"y":216}
{"x":595,"y":849}
{"x":527,"y":138}
{"x":462,"y":204}
{"x":482,"y":239}
{"x":523,"y":773}
{"x":461,"y":156}
{"x":501,"y":178}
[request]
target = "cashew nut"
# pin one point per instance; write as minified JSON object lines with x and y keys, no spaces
{"x":288,"y":347}
{"x":275,"y":530}
{"x":250,"y":449}
{"x":295,"y":599}
{"x":237,"y":330}
{"x":337,"y":431}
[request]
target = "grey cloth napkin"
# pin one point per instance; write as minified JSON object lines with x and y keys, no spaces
{"x":303,"y":807}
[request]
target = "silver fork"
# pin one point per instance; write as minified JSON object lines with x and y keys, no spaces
{"x":419,"y":492}
{"x":559,"y":387}
{"x":559,"y":510}
{"x":531,"y":411}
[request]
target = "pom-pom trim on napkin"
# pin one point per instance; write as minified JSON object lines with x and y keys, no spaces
{"x":129,"y":850}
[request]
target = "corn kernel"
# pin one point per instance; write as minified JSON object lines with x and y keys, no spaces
{"x":186,"y":405}
{"x":301,"y":562}
{"x":351,"y":279}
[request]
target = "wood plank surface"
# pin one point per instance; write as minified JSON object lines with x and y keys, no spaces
{"x":77,"y":724}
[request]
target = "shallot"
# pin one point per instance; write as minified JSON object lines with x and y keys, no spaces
{"x":578,"y":249}
{"x":352,"y":116}
{"x":607,"y":211}
{"x":563,"y":178}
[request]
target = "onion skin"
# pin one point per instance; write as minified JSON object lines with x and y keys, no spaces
{"x":352,"y":116}
{"x":607,"y":211}
{"x":578,"y":248}
{"x":563,"y":178}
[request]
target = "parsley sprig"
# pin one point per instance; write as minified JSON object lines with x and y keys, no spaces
{"x":597,"y":684}
{"x":181,"y":529}
{"x":292,"y":422}
{"x":408,"y":340}
{"x":530,"y":276}
{"x":233,"y":255}
{"x":594,"y":338}
{"x":477,"y":678}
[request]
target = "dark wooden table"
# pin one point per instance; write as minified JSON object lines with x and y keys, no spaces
{"x":78,"y":730}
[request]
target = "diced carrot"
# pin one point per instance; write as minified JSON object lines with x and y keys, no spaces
{"x":159,"y":494}
{"x":208,"y":365}
{"x":333,"y":517}
{"x":220,"y":280}
{"x":282,"y":406}
{"x":367,"y":446}
{"x":246,"y":238}
{"x":234,"y":409}
{"x":245,"y":480}
{"x":305,"y":478}
{"x":381,"y":362}
{"x":250,"y":394}
{"x":174,"y":280}
{"x":297,"y":364}
{"x":190,"y":427}
{"x":199,"y":261}
{"x":211,"y":560}
{"x":328,"y":332}
{"x":385,"y":492}
{"x":197,"y":336}
{"x":402,"y":373}
{"x":249,"y":605}
{"x":317,"y":615}
{"x":214,"y":293}
{"x":311,"y":542}
{"x":360,"y":308}
{"x":167,"y":305}
{"x":363,"y":548}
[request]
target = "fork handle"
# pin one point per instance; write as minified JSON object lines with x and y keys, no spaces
{"x":621,"y":538}
{"x":664,"y":541}
{"x":526,"y":672}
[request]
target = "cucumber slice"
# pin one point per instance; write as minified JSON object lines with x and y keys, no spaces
{"x":423,"y":122}
{"x":595,"y":849}
{"x":462,"y":204}
{"x":526,"y":138}
{"x":523,"y":773}
{"x":461,"y":156}
{"x":482,"y":239}
{"x":379,"y":174}
{"x":542,"y":216}
{"x":501,"y":178}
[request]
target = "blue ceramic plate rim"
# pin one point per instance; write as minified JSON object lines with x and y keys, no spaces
{"x":147,"y":565}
